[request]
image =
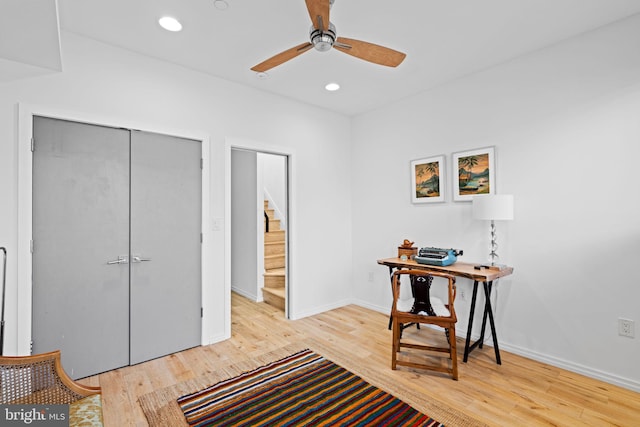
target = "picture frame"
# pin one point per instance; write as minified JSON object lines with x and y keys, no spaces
{"x":427,"y":180}
{"x":473,"y":173}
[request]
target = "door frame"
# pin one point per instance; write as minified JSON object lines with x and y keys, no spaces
{"x":289,"y":153}
{"x":25,"y":191}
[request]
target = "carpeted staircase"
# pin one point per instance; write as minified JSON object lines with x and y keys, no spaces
{"x":273,"y":291}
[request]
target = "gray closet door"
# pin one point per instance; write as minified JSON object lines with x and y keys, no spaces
{"x":165,"y":245}
{"x":80,"y":223}
{"x":117,"y":247}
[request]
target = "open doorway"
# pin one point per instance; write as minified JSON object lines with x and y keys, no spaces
{"x":259,"y":226}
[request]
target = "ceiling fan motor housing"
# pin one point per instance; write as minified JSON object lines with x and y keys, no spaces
{"x":323,"y":40}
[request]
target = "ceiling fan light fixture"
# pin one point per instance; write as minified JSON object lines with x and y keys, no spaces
{"x":323,"y":40}
{"x":170,"y":24}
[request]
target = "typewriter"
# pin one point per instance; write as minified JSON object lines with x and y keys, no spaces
{"x":437,"y":256}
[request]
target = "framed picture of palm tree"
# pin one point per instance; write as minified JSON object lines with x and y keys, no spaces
{"x":427,"y":182}
{"x":474,"y":173}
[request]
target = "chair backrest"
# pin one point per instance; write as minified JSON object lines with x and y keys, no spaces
{"x":421,"y":280}
{"x":38,"y":379}
{"x":421,"y":291}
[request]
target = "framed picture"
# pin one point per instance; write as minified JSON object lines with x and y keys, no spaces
{"x":473,"y":173}
{"x":426,"y":183}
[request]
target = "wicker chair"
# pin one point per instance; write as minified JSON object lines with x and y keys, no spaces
{"x":423,"y":311}
{"x":41,"y":380}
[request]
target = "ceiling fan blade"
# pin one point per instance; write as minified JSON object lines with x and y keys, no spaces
{"x":319,"y":8}
{"x":282,"y":57}
{"x":370,"y":52}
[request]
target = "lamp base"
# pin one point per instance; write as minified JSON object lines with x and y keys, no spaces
{"x":493,"y":255}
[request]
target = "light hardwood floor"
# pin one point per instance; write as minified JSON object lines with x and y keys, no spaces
{"x":520,"y":392}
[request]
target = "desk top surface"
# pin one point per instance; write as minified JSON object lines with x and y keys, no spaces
{"x":460,"y":269}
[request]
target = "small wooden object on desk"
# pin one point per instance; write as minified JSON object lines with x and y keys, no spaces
{"x":408,"y":252}
{"x":407,"y":249}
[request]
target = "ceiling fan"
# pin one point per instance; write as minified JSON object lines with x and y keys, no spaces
{"x":323,"y":37}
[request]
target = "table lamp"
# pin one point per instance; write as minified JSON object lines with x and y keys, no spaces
{"x":493,"y":208}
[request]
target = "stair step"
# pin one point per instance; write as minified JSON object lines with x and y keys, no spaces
{"x":274,"y":282}
{"x":274,"y":236}
{"x":274,"y":248}
{"x":274,"y":224}
{"x":274,"y":297}
{"x":274,"y":261}
{"x":270,"y":213}
{"x":274,"y":278}
{"x":276,"y":272}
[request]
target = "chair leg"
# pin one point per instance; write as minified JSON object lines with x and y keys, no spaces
{"x":454,"y":352}
{"x":395,"y":345}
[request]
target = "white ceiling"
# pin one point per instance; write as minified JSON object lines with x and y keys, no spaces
{"x":29,"y":39}
{"x":443,"y":39}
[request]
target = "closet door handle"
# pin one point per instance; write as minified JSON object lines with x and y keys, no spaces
{"x":120,"y":260}
{"x":137,"y":259}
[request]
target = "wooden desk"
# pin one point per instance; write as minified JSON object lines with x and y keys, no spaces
{"x":485,"y":276}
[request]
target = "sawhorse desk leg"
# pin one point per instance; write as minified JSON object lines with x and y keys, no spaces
{"x":390,"y":278}
{"x":488,"y":311}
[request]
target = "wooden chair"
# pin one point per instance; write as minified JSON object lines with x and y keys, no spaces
{"x":41,"y":380}
{"x":442,"y":315}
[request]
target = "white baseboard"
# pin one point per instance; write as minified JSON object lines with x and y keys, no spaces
{"x":245,"y":294}
{"x":215,"y":339}
{"x":572,"y":366}
{"x":321,"y":309}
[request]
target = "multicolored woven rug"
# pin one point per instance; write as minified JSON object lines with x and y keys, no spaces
{"x":301,"y":389}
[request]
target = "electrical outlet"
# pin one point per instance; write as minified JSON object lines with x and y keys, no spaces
{"x":462,"y":294}
{"x":626,"y":328}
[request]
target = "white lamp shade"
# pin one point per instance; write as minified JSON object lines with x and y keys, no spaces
{"x":493,"y":207}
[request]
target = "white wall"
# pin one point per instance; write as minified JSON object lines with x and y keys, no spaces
{"x":274,"y":180}
{"x":565,"y":122}
{"x":141,"y":92}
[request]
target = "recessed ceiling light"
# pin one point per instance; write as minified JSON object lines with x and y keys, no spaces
{"x":221,"y":4}
{"x":261,"y":75}
{"x":169,"y":23}
{"x":332,"y":87}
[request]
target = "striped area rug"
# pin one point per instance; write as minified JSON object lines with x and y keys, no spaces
{"x":303,"y":389}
